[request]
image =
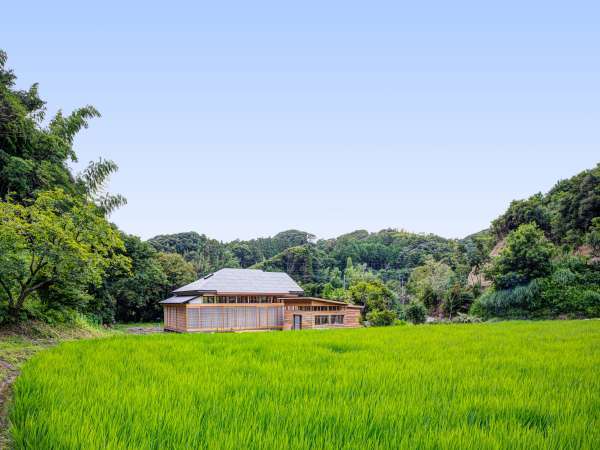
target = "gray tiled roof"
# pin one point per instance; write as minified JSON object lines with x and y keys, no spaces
{"x":244,"y":280}
{"x":179,"y":299}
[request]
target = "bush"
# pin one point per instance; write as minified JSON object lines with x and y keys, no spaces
{"x":571,"y":290}
{"x":381,"y":318}
{"x":514,"y":303}
{"x":416,"y":312}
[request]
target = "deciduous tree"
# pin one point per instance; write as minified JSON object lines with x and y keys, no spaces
{"x":56,"y":243}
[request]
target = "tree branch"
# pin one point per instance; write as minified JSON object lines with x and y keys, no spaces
{"x":27,"y":292}
{"x":7,"y":290}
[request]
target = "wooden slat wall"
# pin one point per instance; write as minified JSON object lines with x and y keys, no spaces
{"x":233,"y":317}
{"x":175,"y":317}
{"x":351,"y":318}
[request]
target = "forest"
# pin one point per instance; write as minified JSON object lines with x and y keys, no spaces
{"x":61,"y":257}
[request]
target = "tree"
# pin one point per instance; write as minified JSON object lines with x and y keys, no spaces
{"x":429,"y":282}
{"x":416,"y":312}
{"x":34,"y":158}
{"x":527,"y":255}
{"x":93,"y":183}
{"x":57,"y":243}
{"x":520,"y":212}
{"x":379,"y":318}
{"x":136,"y":296}
{"x":374,"y":295}
{"x":178,"y":271}
{"x":456,"y":299}
{"x":207,"y":255}
{"x":593,"y":237}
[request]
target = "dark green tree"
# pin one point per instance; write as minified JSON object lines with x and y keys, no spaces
{"x":51,"y":250}
{"x":527,"y":255}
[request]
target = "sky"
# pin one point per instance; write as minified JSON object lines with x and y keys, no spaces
{"x":243,"y":119}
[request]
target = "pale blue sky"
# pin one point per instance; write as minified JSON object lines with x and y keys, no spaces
{"x":242,"y":119}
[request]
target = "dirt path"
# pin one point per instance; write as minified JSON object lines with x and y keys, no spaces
{"x":144,"y":330}
{"x":10,"y":375}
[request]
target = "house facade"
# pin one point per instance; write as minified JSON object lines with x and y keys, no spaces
{"x":249,"y":299}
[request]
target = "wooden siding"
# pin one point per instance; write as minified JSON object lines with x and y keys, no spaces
{"x":234,"y":317}
{"x":175,"y":317}
{"x":351,"y":318}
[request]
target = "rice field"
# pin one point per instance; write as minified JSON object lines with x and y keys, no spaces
{"x":527,"y":385}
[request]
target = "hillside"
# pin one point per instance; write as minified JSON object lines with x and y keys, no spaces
{"x":566,"y":213}
{"x":445,"y":275}
{"x":61,"y":256}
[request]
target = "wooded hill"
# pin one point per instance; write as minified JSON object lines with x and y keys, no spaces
{"x":60,"y":256}
{"x":567,"y":217}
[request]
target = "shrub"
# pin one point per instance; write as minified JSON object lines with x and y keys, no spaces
{"x":416,"y":312}
{"x":381,"y":318}
{"x":514,"y":303}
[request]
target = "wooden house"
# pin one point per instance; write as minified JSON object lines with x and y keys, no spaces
{"x":249,"y":299}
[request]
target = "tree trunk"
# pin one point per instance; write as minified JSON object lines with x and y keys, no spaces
{"x":16,"y":308}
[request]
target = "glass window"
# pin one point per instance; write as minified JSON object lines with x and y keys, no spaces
{"x":321,"y":320}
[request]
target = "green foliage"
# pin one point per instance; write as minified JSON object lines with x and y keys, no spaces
{"x":534,"y":384}
{"x":520,"y":212}
{"x":177,"y":270}
{"x":429,"y":282}
{"x":374,"y":295}
{"x":593,"y":237}
{"x":381,"y":318}
{"x":390,"y":249}
{"x":456,"y":299}
{"x":35,"y":158}
{"x":512,"y":303}
{"x":476,"y":248}
{"x":206,"y":255}
{"x":415,"y":312}
{"x":573,"y":290}
{"x":209,"y":255}
{"x":527,"y":256}
{"x":565,"y":213}
{"x":51,"y":250}
{"x":302,"y":263}
{"x":93,"y":182}
{"x":134,"y":296}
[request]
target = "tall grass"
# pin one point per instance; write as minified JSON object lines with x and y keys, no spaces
{"x":504,"y":385}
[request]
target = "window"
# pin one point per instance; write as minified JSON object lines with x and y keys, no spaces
{"x":337,"y":319}
{"x":319,"y":308}
{"x":321,"y":320}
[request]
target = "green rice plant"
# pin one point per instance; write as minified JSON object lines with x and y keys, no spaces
{"x":522,"y":385}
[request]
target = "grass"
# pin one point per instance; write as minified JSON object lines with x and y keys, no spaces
{"x":19,"y":342}
{"x":528,"y":385}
